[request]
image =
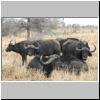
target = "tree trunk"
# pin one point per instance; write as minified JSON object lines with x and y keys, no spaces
{"x":64,"y":27}
{"x":28,"y":33}
{"x":28,"y":28}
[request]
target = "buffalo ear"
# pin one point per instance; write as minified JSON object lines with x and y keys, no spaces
{"x":12,"y":42}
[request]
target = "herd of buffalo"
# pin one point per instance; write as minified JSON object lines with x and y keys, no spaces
{"x":70,"y":54}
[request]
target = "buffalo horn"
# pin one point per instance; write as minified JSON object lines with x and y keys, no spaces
{"x":51,"y":59}
{"x":93,"y":49}
{"x":78,"y":49}
{"x":32,"y":46}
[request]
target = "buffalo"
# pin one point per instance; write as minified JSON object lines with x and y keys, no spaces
{"x":72,"y":64}
{"x":44,"y":47}
{"x":49,"y":63}
{"x":44,"y":63}
{"x":48,"y":54}
{"x":56,"y":62}
{"x":19,"y":48}
{"x":77,"y":48}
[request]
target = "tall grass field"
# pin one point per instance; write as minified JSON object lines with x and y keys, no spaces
{"x":12,"y":69}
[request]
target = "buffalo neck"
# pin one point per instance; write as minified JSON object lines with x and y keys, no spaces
{"x":16,"y":49}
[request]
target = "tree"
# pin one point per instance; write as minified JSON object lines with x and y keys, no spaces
{"x":28,"y":28}
{"x":64,"y":26}
{"x":9,"y":26}
{"x":24,"y":24}
{"x":38,"y":25}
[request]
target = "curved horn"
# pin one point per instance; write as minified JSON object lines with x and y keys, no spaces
{"x":31,"y":46}
{"x":77,"y":49}
{"x":93,"y":49}
{"x":51,"y":59}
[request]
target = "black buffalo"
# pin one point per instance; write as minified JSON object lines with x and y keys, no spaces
{"x":56,"y":62}
{"x":44,"y":47}
{"x":77,"y":48}
{"x":48,"y":64}
{"x":72,"y":64}
{"x":44,"y":63}
{"x":20,"y":48}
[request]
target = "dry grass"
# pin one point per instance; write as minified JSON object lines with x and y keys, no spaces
{"x":12,"y":70}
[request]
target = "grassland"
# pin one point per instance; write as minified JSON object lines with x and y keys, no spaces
{"x":12,"y":69}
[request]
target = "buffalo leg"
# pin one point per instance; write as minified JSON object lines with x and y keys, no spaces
{"x":48,"y":70}
{"x":23,"y":59}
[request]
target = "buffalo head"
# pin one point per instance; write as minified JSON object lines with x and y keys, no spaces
{"x":10,"y":46}
{"x":85,"y":52}
{"x":32,"y":49}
